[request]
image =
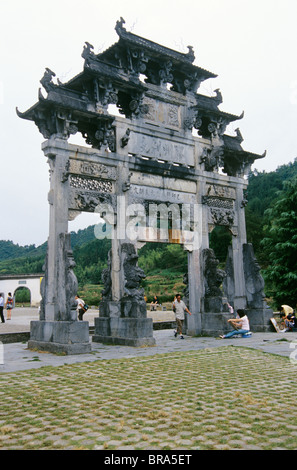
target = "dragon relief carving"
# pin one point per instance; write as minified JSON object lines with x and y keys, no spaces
{"x":222,"y":217}
{"x":132,"y":272}
{"x":212,"y":274}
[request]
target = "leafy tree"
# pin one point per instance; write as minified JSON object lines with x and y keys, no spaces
{"x":219,"y":240}
{"x":163,"y":256}
{"x":254,"y":232}
{"x":280,"y":245}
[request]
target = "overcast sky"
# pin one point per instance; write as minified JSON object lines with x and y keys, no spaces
{"x":250,"y":44}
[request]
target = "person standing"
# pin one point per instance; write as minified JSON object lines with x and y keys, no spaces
{"x":1,"y":308}
{"x":154,"y":303}
{"x":179,"y":308}
{"x":80,"y":307}
{"x":9,"y":305}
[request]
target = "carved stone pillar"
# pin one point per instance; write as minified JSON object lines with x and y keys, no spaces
{"x":258,"y":312}
{"x":193,"y":322}
{"x":237,"y":242}
{"x":122,"y":313}
{"x":125,"y":321}
{"x":195,"y":271}
{"x":58,"y":329}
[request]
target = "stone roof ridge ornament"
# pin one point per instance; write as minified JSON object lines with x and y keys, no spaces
{"x":218,"y":97}
{"x":190,"y":54}
{"x":150,"y":45}
{"x":239,"y":135}
{"x":119,"y":26}
{"x":88,"y":52}
{"x":47,"y":79}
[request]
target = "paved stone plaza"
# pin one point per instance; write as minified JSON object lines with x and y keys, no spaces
{"x":17,"y":356}
{"x":192,"y":394}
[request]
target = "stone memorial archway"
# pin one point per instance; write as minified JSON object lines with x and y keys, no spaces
{"x":151,"y":178}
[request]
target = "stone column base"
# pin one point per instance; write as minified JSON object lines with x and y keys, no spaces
{"x":192,"y":324}
{"x":215,"y":324}
{"x":68,"y":337}
{"x":124,"y":331}
{"x":125,"y":323}
{"x":259,"y":319}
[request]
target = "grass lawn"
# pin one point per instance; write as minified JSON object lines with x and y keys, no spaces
{"x":224,"y":398}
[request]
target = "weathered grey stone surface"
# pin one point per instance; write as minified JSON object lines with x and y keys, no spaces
{"x":168,"y":159}
{"x":125,"y":331}
{"x":260,"y":319}
{"x":254,"y":281}
{"x":213,"y":324}
{"x":123,"y":322}
{"x":69,"y":337}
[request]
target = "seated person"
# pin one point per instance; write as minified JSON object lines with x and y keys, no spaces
{"x":241,"y":325}
{"x":287,"y":317}
{"x":154,"y":303}
{"x":286,"y":309}
{"x":290,"y":322}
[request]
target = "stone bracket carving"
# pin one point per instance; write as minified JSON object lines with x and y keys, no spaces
{"x":211,"y":157}
{"x":103,"y":133}
{"x":133,"y":105}
{"x":125,"y":138}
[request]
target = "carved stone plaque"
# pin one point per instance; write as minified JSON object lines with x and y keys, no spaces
{"x":160,"y":195}
{"x":161,"y":149}
{"x":88,"y":168}
{"x":216,"y":190}
{"x":163,"y":113}
{"x":87,"y":201}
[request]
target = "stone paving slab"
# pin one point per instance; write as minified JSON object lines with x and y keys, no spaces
{"x":17,"y":356}
{"x":214,"y":398}
{"x":230,"y":395}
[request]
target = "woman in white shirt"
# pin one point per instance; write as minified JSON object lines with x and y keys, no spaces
{"x":241,"y":325}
